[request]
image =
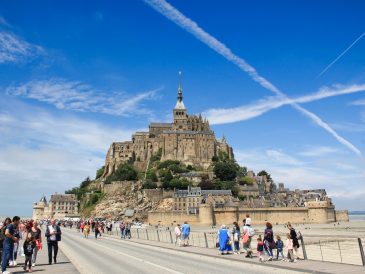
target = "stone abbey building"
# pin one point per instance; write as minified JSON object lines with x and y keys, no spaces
{"x":188,"y":139}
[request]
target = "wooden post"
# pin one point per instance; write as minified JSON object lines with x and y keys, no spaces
{"x":147,"y":234}
{"x":171,"y":237}
{"x":158,"y":236}
{"x":206,"y":240}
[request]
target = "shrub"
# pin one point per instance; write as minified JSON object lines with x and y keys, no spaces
{"x":125,"y":172}
{"x":99,"y":172}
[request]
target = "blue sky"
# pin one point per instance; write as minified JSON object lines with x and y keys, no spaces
{"x":269,"y":76}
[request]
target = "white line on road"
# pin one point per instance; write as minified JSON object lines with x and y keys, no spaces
{"x":137,"y":259}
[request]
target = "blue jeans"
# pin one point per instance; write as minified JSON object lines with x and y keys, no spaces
{"x":7,"y":252}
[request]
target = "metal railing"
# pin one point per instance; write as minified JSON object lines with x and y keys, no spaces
{"x":345,"y":250}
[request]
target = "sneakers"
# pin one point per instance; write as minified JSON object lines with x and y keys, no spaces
{"x":33,"y":264}
{"x":11,"y":263}
{"x":6,"y":272}
{"x":15,"y":263}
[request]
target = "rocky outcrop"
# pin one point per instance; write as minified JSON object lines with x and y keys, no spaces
{"x":129,"y":195}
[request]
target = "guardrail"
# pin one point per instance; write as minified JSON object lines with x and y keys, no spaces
{"x":329,"y":248}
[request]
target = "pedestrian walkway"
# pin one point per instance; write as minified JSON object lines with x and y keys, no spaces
{"x":63,"y":266}
{"x":307,"y":266}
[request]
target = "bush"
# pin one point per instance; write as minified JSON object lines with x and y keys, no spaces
{"x":125,"y":172}
{"x":225,"y":171}
{"x":168,"y":163}
{"x":99,"y":172}
{"x":149,"y":185}
{"x":206,"y":185}
{"x":151,"y":175}
{"x":246,"y":180}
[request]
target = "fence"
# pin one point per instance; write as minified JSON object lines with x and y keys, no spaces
{"x":319,"y":248}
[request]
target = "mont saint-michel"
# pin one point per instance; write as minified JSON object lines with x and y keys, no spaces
{"x":180,"y":171}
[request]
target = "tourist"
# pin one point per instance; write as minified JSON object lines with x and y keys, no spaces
{"x":8,"y":243}
{"x":248,"y":220}
{"x":224,"y":240}
{"x":29,"y":246}
{"x":246,"y":238}
{"x":185,"y":232}
{"x":2,"y":235}
{"x":82,"y":226}
{"x":178,"y":235}
{"x":53,"y":235}
{"x":122,"y":229}
{"x":269,"y":240}
{"x":260,"y":249}
{"x":236,"y":235}
{"x":96,"y":230}
{"x":14,"y":256}
{"x":279,"y":248}
{"x":86,"y":230}
{"x":37,"y":235}
{"x":128,"y":227}
{"x":289,"y":248}
{"x":294,"y":237}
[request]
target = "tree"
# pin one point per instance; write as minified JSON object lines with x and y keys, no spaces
{"x":206,"y":185}
{"x":264,"y":173}
{"x":99,"y":172}
{"x":85,"y":183}
{"x":225,"y":171}
{"x":125,"y":172}
{"x":149,"y":185}
{"x":151,"y":175}
{"x":246,"y":180}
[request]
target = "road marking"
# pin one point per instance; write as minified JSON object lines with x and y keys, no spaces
{"x":137,"y":259}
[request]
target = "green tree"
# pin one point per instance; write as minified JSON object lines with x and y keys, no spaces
{"x":246,"y":180}
{"x":149,"y":185}
{"x":151,"y":175}
{"x":99,"y":172}
{"x":225,"y":171}
{"x":206,"y":185}
{"x":85,"y":183}
{"x":264,"y":173}
{"x":124,"y":172}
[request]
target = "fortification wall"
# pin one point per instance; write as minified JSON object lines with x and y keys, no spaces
{"x":342,"y":215}
{"x":114,"y":186}
{"x":172,"y":217}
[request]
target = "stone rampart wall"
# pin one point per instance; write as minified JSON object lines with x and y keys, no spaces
{"x":168,"y":218}
{"x":342,"y":215}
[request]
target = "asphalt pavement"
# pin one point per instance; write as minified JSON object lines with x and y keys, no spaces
{"x":113,"y":255}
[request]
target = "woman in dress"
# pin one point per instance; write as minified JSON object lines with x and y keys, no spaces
{"x":37,"y":236}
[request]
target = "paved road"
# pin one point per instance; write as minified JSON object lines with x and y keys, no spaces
{"x":110,"y":255}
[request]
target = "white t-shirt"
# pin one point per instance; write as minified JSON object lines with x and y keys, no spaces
{"x":248,"y":221}
{"x":177,"y":231}
{"x":51,"y":230}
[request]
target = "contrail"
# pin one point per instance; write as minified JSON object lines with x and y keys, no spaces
{"x":189,"y":25}
{"x":342,"y":54}
{"x":253,"y":110}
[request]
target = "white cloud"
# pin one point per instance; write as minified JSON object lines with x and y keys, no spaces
{"x":351,"y":127}
{"x":53,"y":153}
{"x":74,"y":95}
{"x":192,"y":27}
{"x":360,"y":102}
{"x":341,"y":175}
{"x":318,"y":151}
{"x":13,"y":49}
{"x":246,"y":112}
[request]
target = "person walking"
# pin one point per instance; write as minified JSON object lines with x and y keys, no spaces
{"x":185,"y":232}
{"x":37,"y":235}
{"x":294,"y":237}
{"x":178,"y":235}
{"x":28,"y":246}
{"x":260,"y":249}
{"x":96,"y":230}
{"x":86,"y":230}
{"x":247,"y":238}
{"x":269,"y":240}
{"x":53,"y":235}
{"x":279,"y":248}
{"x":8,"y":243}
{"x":236,"y":236}
{"x":128,"y":227}
{"x":224,"y":240}
{"x":122,"y":229}
{"x":289,"y":248}
{"x":2,"y":235}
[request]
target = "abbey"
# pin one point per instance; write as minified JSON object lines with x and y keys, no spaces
{"x":188,"y":139}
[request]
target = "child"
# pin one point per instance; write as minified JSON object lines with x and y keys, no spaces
{"x":260,"y":248}
{"x":29,"y":245}
{"x":279,"y":248}
{"x":289,"y":248}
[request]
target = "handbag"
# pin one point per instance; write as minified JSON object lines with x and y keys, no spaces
{"x":217,"y":244}
{"x":245,"y":238}
{"x":235,"y":237}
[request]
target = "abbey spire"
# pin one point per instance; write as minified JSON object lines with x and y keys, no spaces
{"x":179,"y":103}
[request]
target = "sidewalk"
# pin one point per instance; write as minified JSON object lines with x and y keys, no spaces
{"x":306,"y":266}
{"x":63,"y":266}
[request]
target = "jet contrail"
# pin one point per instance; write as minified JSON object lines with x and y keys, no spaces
{"x":189,"y":25}
{"x":342,"y":54}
